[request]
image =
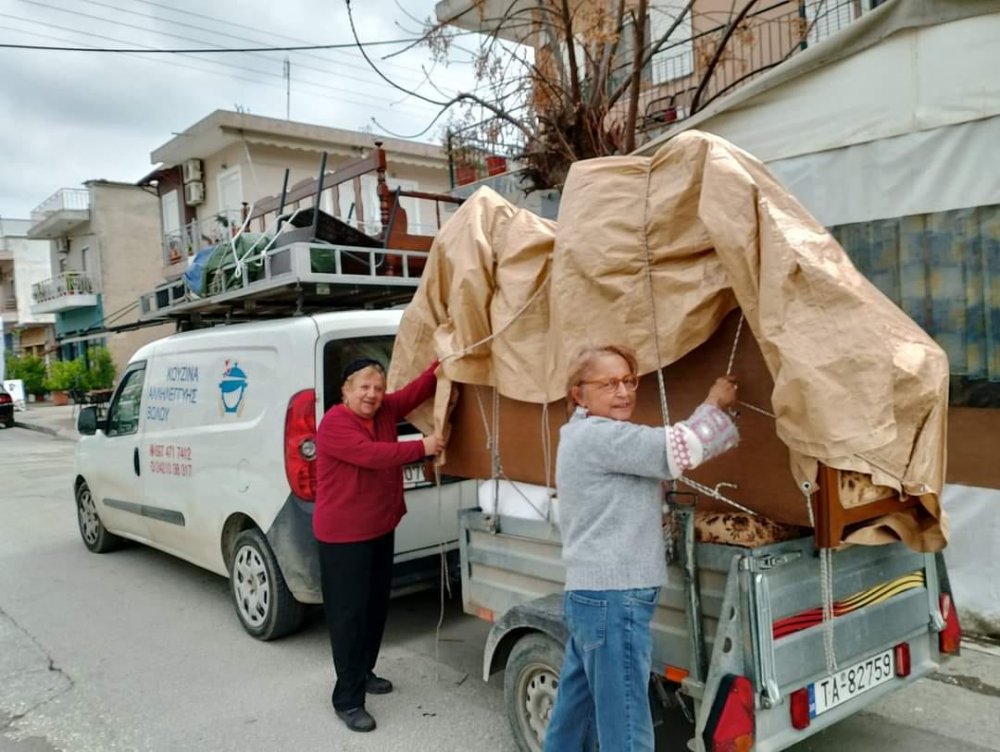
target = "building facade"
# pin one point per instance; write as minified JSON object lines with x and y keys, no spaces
{"x":210,"y":177}
{"x":23,"y":262}
{"x":104,"y":252}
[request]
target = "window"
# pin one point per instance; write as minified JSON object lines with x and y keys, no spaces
{"x":231,"y":195}
{"x":123,"y":415}
{"x":85,"y":262}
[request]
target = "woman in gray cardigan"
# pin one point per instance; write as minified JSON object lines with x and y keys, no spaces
{"x":608,"y":477}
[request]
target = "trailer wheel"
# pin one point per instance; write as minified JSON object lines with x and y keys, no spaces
{"x":530,"y":684}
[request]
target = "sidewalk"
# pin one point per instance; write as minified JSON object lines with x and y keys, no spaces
{"x":58,"y":421}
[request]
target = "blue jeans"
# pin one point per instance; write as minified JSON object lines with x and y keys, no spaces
{"x":603,"y":687}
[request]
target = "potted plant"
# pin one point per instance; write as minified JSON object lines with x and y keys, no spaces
{"x":31,"y":370}
{"x":63,"y":376}
{"x":101,"y":372}
{"x":496,"y":164}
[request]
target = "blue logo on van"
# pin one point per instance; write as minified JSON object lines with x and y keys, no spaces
{"x":232,"y":389}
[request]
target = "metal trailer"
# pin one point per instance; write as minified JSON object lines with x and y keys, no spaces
{"x":716,"y":660}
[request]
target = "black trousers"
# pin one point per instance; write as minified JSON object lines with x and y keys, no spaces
{"x":356,"y":579}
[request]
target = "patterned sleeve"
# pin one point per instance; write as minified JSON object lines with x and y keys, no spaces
{"x":706,"y":434}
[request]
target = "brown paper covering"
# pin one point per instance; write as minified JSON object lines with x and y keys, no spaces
{"x":507,"y":297}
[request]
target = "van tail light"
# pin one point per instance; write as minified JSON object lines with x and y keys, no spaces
{"x":901,"y":654}
{"x":799,"y":706}
{"x":731,"y":724}
{"x":5,"y":398}
{"x":950,"y":638}
{"x":300,"y":444}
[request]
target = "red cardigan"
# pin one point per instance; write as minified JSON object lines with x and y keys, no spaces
{"x":359,"y":466}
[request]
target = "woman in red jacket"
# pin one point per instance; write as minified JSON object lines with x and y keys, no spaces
{"x":359,"y":503}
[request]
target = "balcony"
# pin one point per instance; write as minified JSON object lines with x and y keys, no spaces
{"x":194,"y":236}
{"x":8,"y":309}
{"x":63,"y":293}
{"x":60,"y":214}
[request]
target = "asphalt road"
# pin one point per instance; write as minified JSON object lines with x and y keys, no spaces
{"x":135,"y":650}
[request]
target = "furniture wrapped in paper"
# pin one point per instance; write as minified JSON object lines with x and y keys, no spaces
{"x":656,"y":253}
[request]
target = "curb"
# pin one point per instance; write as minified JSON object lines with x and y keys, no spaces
{"x":40,"y":429}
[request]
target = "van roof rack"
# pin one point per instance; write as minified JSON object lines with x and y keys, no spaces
{"x":293,"y":279}
{"x":290,"y":257}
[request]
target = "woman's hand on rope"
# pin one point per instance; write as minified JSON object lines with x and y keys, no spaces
{"x":723,"y":392}
{"x":433,"y":445}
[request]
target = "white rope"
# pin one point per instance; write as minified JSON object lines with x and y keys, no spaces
{"x":736,"y":342}
{"x":715,"y":494}
{"x":466,"y":350}
{"x":826,"y":586}
{"x":756,"y":409}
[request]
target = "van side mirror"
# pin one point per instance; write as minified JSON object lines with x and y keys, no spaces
{"x":86,"y":421}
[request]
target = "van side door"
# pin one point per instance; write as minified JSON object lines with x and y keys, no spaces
{"x":118,"y":485}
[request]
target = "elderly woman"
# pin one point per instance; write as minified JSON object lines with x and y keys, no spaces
{"x":359,"y":503}
{"x":608,"y":477}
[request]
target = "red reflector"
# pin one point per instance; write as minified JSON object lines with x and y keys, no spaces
{"x":799,"y":702}
{"x":300,"y":427}
{"x":730,"y":726}
{"x":950,"y":639}
{"x":901,"y":653}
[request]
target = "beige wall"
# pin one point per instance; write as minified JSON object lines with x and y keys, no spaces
{"x":125,"y":222}
{"x":262,"y":174}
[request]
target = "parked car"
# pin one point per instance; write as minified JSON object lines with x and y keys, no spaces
{"x":6,"y":408}
{"x":206,"y":452}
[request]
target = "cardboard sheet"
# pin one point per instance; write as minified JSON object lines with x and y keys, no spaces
{"x":656,"y":252}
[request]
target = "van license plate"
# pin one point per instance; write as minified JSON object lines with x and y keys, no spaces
{"x":850,"y":682}
{"x":413,"y":476}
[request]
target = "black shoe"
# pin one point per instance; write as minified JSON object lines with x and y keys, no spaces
{"x":376,"y":685}
{"x":357,"y":719}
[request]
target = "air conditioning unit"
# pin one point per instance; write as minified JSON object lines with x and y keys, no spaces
{"x":192,"y":170}
{"x":194,"y":193}
{"x":62,"y":246}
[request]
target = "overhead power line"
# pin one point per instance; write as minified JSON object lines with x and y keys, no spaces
{"x":203,"y":50}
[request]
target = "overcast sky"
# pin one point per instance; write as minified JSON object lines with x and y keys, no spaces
{"x":75,"y":116}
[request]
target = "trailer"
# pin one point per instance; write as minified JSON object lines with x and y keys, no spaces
{"x":742,"y":657}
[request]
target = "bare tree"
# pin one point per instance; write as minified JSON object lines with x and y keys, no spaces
{"x":566,"y":79}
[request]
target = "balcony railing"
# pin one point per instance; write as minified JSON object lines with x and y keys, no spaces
{"x":484,"y":149}
{"x":193,"y":236}
{"x":725,"y":59}
{"x":683,"y":77}
{"x":65,"y":199}
{"x":66,"y":284}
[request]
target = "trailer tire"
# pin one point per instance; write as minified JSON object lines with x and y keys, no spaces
{"x":529,"y":686}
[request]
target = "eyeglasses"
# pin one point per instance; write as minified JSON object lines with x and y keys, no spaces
{"x":610,"y":386}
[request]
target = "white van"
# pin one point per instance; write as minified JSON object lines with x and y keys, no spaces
{"x":207,"y":453}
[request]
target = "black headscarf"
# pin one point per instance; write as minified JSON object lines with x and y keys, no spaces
{"x":357,"y":365}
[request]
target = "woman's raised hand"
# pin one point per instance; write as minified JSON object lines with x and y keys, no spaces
{"x":433,"y":445}
{"x":723,"y":392}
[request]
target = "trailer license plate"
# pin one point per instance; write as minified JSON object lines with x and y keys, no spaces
{"x":850,"y":682}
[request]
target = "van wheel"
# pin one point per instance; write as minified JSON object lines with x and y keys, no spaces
{"x":529,"y":688}
{"x":266,"y":607}
{"x":95,"y":536}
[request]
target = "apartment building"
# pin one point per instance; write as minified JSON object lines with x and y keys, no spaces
{"x":104,"y":251}
{"x":209,"y":178}
{"x":23,"y":262}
